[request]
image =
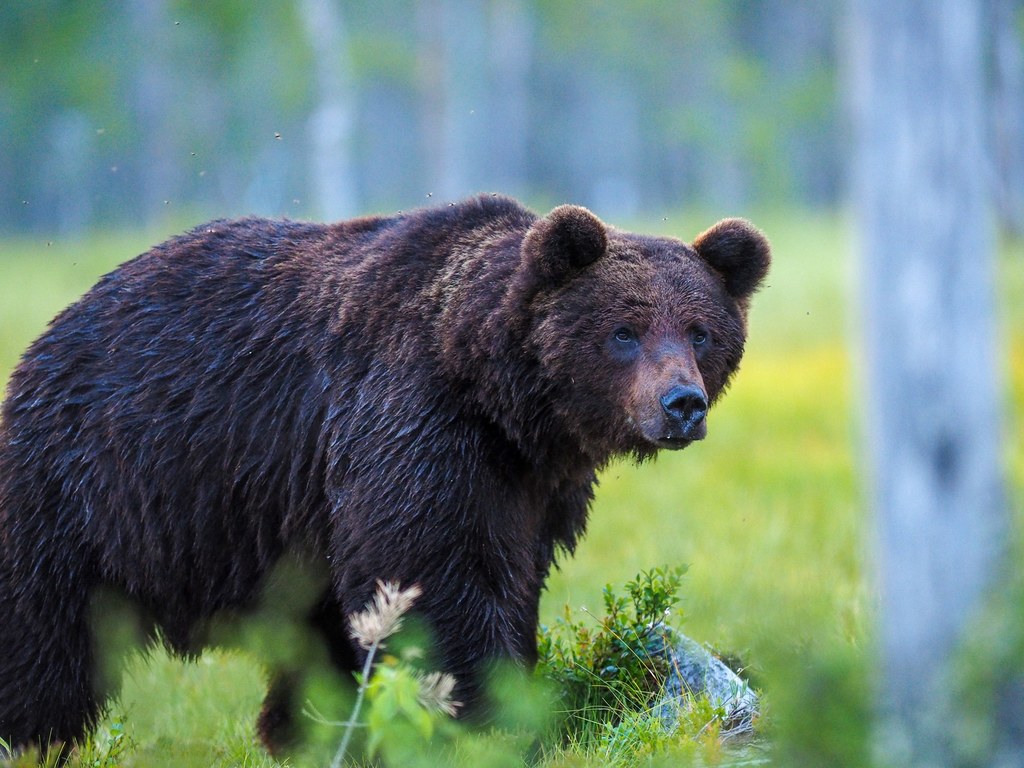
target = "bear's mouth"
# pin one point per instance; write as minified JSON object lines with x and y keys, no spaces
{"x":676,"y":434}
{"x":673,"y":443}
{"x":672,"y":434}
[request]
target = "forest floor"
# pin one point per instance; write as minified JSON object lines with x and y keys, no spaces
{"x":769,"y":511}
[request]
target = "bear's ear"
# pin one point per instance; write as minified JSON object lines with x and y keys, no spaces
{"x":738,"y":252}
{"x":567,"y":239}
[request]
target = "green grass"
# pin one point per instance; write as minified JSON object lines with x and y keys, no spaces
{"x":768,"y":511}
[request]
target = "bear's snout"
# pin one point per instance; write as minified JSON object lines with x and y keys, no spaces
{"x":685,"y":406}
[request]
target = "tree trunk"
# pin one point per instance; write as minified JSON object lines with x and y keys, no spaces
{"x":330,"y":126}
{"x":452,"y":60}
{"x":430,"y":76}
{"x":153,"y":100}
{"x":932,"y":402}
{"x":1008,"y":111}
{"x":66,"y":170}
{"x":511,"y":35}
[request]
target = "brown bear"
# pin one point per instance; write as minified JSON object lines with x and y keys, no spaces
{"x":424,"y":398}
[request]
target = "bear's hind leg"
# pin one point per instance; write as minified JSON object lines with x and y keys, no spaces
{"x":279,"y":725}
{"x":276,"y":726}
{"x":46,"y":658}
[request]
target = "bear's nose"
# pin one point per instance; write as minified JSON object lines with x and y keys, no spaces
{"x":685,"y":403}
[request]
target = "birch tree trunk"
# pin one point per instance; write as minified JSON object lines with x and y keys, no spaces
{"x":1008,"y":111}
{"x":153,"y":100}
{"x":932,"y":402}
{"x":511,"y":36}
{"x":330,"y":126}
{"x":452,"y":69}
{"x":431,"y":68}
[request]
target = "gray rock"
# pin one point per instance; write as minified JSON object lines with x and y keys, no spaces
{"x":695,"y":671}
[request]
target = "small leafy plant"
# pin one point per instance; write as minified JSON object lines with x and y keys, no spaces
{"x":405,"y":704}
{"x":614,"y":669}
{"x":108,"y":747}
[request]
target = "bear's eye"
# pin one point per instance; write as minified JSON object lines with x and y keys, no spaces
{"x":699,"y":337}
{"x":624,"y":335}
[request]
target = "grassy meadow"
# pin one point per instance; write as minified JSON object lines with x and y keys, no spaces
{"x":768,"y":511}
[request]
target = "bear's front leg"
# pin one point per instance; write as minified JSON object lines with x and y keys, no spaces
{"x":478,"y":602}
{"x":483,"y":629}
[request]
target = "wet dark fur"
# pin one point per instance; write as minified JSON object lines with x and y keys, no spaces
{"x":424,"y":397}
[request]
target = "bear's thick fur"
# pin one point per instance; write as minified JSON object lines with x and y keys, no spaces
{"x":422,"y":398}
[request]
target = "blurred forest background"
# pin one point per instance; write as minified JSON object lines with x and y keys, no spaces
{"x":123,"y":122}
{"x":120,"y":113}
{"x":325,"y":108}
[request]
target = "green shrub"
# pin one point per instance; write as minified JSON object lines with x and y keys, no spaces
{"x":616,"y":667}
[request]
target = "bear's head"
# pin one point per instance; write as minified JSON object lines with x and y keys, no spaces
{"x":637,"y":336}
